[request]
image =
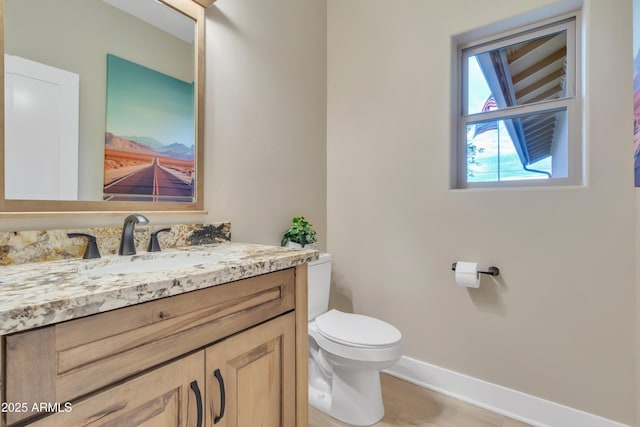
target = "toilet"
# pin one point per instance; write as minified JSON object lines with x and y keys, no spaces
{"x":346,"y":354}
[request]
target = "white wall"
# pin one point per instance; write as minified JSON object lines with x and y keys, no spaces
{"x":559,"y":322}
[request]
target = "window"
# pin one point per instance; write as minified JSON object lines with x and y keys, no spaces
{"x":519,"y":122}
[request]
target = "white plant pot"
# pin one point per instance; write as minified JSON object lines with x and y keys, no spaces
{"x":294,"y":245}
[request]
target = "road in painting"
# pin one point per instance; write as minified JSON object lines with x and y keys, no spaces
{"x":161,"y":182}
{"x":149,"y":143}
{"x":134,"y":171}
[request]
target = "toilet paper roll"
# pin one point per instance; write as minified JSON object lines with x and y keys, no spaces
{"x":467,"y":274}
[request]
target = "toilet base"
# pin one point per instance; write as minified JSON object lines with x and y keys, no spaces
{"x":355,"y":398}
{"x":344,"y":380}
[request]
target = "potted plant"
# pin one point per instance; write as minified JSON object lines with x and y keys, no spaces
{"x":300,"y":234}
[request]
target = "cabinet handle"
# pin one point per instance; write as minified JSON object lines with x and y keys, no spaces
{"x":196,"y":391}
{"x":218,"y":376}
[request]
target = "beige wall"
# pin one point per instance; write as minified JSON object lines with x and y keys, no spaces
{"x":559,"y":322}
{"x":266,"y":116}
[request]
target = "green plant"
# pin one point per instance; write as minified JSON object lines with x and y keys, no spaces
{"x":301,"y":231}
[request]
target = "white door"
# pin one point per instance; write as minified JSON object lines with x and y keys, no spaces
{"x":41,"y":131}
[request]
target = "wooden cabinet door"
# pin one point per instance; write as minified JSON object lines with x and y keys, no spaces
{"x":169,"y":396}
{"x":250,"y":377}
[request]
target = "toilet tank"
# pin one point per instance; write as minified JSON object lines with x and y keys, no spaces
{"x":319,"y":283}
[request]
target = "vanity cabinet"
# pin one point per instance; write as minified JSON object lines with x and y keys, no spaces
{"x":250,"y":377}
{"x":228,"y":355}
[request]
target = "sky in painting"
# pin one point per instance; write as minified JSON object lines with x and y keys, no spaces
{"x":145,"y":103}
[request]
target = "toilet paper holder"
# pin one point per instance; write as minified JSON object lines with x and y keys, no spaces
{"x":492,"y":271}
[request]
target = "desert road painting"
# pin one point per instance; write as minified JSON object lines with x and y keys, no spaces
{"x":150,"y":137}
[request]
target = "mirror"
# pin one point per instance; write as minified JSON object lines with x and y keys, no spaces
{"x":110,"y":50}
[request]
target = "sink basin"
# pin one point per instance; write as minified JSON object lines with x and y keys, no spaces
{"x":148,"y":263}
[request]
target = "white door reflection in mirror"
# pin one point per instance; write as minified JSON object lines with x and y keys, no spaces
{"x":41,"y":131}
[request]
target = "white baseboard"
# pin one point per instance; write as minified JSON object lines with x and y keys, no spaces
{"x":511,"y":403}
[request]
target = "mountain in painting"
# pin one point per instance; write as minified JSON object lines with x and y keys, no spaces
{"x":115,"y":142}
{"x":177,"y":151}
{"x":147,"y":145}
{"x":145,"y":140}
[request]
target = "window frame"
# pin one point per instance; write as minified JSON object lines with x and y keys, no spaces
{"x":571,"y":102}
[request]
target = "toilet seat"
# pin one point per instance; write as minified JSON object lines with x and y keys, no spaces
{"x":356,"y":330}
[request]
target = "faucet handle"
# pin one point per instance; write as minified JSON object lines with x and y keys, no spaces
{"x":91,"y":251}
{"x":154,"y":244}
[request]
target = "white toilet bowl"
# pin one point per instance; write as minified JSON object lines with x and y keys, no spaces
{"x":346,"y":354}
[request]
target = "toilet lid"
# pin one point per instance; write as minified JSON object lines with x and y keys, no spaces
{"x":356,"y":329}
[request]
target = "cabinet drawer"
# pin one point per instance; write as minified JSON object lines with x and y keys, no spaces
{"x":167,"y":396}
{"x":64,"y":361}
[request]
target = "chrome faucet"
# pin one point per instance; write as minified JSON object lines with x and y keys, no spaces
{"x":127,"y":243}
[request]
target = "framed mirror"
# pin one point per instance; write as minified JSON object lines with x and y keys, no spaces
{"x":104,"y":106}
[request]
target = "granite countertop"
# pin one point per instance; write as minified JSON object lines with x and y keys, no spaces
{"x":44,"y":293}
